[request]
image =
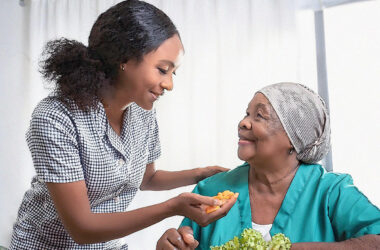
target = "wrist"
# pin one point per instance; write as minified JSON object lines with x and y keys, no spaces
{"x":171,"y":207}
{"x":200,"y":174}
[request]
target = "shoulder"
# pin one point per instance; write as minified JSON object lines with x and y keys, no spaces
{"x":324,"y":180}
{"x":328,"y":177}
{"x":50,"y":107}
{"x":231,"y":180}
{"x":52,"y":112}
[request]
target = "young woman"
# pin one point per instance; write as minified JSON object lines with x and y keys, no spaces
{"x":95,"y":139}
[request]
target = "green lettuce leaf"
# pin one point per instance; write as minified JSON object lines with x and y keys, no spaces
{"x":251,"y":239}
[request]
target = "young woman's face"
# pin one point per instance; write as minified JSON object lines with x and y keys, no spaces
{"x":145,"y":81}
{"x":261,"y":136}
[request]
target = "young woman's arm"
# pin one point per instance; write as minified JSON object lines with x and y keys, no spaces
{"x":164,"y":180}
{"x":85,"y":227}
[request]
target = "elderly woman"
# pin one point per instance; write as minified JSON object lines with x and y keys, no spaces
{"x":285,"y":132}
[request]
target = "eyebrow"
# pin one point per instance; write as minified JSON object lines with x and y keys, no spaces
{"x":171,"y":64}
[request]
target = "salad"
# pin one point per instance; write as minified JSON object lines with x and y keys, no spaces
{"x":251,"y":239}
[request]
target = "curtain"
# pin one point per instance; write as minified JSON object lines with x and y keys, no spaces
{"x":322,"y":4}
{"x":232,"y":49}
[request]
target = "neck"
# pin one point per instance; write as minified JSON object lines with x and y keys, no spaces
{"x":272,"y":179}
{"x":115,"y":104}
{"x":114,"y":101}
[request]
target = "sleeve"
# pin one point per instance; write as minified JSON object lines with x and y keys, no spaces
{"x":351,"y":213}
{"x":154,"y":140}
{"x":52,"y":142}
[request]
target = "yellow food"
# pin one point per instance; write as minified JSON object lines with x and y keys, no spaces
{"x":223,"y":197}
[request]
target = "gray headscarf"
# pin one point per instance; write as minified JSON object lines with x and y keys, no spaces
{"x":304,"y":116}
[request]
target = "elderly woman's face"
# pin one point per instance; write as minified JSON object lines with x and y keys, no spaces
{"x":261,"y":135}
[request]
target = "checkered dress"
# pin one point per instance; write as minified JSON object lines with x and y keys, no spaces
{"x":67,"y":145}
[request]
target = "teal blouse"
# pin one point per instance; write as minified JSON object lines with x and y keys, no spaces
{"x":318,"y":207}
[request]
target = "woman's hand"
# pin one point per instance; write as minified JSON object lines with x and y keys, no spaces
{"x":181,"y":239}
{"x":209,"y":171}
{"x":193,"y":206}
{"x":165,"y":180}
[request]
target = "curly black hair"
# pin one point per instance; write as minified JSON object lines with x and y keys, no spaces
{"x":128,"y":30}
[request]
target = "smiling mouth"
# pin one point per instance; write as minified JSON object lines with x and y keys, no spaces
{"x":155,"y":95}
{"x":245,"y":142}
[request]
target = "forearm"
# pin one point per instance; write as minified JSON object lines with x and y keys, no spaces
{"x":97,"y":227}
{"x":165,"y":180}
{"x":85,"y":227}
{"x":370,"y":241}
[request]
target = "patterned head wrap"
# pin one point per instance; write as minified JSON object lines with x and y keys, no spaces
{"x":304,"y":116}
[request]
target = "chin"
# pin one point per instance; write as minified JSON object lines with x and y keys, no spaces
{"x":244,"y":156}
{"x":145,"y":105}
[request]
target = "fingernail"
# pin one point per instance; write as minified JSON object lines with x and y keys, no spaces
{"x":217,"y":202}
{"x":189,"y":238}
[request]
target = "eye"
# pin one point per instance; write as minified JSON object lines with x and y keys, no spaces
{"x":246,"y":114}
{"x":259,"y":115}
{"x":162,"y":71}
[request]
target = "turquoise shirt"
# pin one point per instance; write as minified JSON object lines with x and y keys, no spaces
{"x":318,"y":206}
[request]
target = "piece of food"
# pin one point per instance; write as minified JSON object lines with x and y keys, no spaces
{"x":223,"y":197}
{"x":253,"y":240}
{"x":279,"y":241}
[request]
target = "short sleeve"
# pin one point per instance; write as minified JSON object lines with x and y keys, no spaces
{"x":52,"y":142}
{"x":351,"y":213}
{"x":154,"y":146}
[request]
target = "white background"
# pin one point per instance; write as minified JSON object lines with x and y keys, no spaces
{"x":233,"y":48}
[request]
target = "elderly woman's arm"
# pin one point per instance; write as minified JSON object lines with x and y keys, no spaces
{"x":369,"y":241}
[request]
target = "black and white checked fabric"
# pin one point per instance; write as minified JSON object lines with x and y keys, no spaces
{"x":69,"y":145}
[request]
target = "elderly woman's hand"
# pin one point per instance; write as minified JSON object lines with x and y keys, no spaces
{"x":181,"y":239}
{"x":193,"y":206}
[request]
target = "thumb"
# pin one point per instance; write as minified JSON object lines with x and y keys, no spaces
{"x":196,"y":243}
{"x":187,"y":235}
{"x":206,"y":200}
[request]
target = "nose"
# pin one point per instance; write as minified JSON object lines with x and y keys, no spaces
{"x":167,"y":84}
{"x":245,"y":124}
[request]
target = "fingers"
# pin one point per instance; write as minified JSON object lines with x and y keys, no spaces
{"x":220,"y":169}
{"x":197,"y":199}
{"x":223,"y":210}
{"x":194,"y":208}
{"x":187,"y":235}
{"x":171,"y":240}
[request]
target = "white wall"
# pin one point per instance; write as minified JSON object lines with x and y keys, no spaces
{"x":353,"y":68}
{"x":14,"y":115}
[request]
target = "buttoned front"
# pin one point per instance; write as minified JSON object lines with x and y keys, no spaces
{"x":67,"y":145}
